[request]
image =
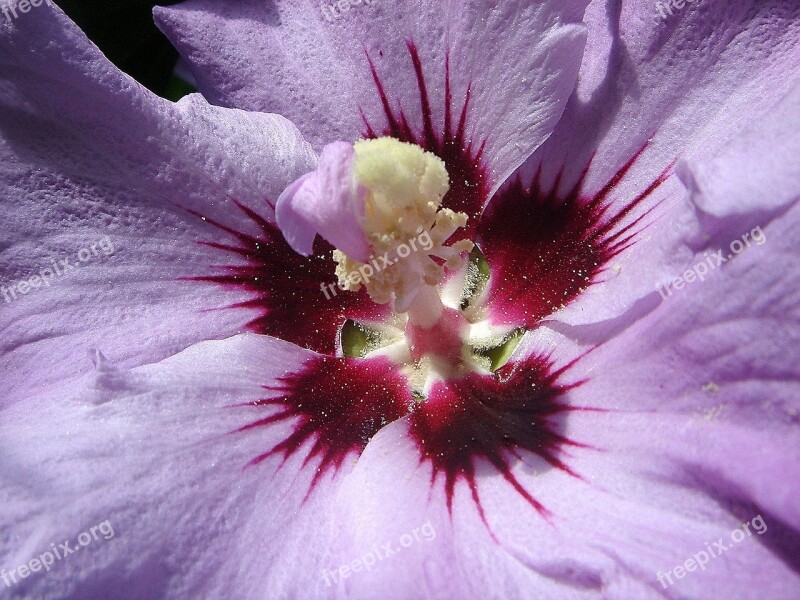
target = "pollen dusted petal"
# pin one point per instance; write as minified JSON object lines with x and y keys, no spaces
{"x":286,"y":287}
{"x":463,"y":158}
{"x":496,"y":418}
{"x":336,"y":406}
{"x":544,"y":248}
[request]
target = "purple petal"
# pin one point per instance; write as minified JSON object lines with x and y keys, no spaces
{"x":684,"y":88}
{"x":152,"y":451}
{"x":88,"y":155}
{"x":755,"y":176}
{"x":520,"y":60}
{"x":299,"y":233}
{"x":327,"y":202}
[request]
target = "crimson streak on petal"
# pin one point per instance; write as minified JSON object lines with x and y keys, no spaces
{"x":469,"y":183}
{"x":515,"y":411}
{"x":336,"y":405}
{"x":544,"y":249}
{"x":285,"y":286}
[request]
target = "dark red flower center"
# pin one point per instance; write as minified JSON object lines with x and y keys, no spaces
{"x":542,"y":247}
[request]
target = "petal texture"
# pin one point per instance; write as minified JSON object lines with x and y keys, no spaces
{"x":149,"y":451}
{"x":97,"y":175}
{"x":205,"y":497}
{"x":519,"y":59}
{"x":684,"y":88}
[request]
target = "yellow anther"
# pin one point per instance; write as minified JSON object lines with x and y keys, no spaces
{"x":403,"y":222}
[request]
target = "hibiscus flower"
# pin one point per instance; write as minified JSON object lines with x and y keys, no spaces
{"x":496,"y":371}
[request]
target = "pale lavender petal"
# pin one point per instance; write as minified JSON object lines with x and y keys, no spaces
{"x":731,"y":340}
{"x":519,"y":58}
{"x":89,"y":157}
{"x":682,"y":88}
{"x":757,"y":175}
{"x":155,"y":452}
{"x":295,"y":228}
{"x":327,"y":202}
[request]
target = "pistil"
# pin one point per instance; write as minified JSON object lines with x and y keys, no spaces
{"x":403,"y":220}
{"x":380,"y":203}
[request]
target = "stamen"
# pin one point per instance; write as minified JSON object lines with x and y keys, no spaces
{"x":405,"y":227}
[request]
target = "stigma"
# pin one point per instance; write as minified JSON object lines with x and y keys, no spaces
{"x":379,"y":202}
{"x":405,"y":227}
